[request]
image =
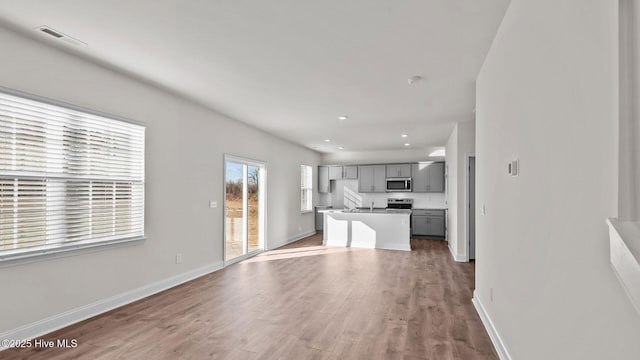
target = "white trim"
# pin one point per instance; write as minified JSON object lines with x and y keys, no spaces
{"x":53,"y":323}
{"x":456,"y":257}
{"x":294,"y":239}
{"x":498,"y":344}
{"x":625,"y":257}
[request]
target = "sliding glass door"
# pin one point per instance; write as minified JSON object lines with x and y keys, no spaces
{"x":244,"y":207}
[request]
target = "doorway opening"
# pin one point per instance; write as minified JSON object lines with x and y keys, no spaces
{"x":471,"y":207}
{"x":244,"y":204}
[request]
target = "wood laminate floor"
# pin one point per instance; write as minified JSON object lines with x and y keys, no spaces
{"x":302,"y":301}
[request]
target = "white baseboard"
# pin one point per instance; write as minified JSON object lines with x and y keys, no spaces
{"x":294,"y":239}
{"x":456,"y":257}
{"x":499,"y":345}
{"x":56,"y":322}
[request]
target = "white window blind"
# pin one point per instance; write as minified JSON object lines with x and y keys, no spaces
{"x":306,"y":188}
{"x":67,"y":178}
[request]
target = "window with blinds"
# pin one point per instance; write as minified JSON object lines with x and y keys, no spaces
{"x":306,"y":188}
{"x":68,"y":178}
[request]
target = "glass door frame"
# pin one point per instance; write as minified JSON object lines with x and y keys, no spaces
{"x":262,"y":201}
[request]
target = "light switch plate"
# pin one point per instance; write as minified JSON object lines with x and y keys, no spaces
{"x":213,"y":204}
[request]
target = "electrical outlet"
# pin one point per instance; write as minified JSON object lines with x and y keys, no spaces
{"x":179,"y":258}
{"x":491,"y":294}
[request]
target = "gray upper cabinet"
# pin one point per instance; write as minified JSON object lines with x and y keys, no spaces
{"x":335,"y":172}
{"x":399,"y":170}
{"x":420,"y":178}
{"x":428,"y":177}
{"x":350,"y":172}
{"x":436,"y":177}
{"x":323,"y":179}
{"x":371,"y":178}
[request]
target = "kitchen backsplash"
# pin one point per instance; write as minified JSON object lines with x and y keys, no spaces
{"x":344,"y":193}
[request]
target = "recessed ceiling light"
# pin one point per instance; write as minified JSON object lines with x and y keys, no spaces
{"x":340,"y":148}
{"x":407,"y":144}
{"x":327,"y":140}
{"x":343,"y":117}
{"x":404,"y":135}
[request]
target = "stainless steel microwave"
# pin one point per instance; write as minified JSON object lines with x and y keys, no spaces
{"x":398,"y":184}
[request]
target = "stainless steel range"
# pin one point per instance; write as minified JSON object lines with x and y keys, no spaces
{"x":406,"y":204}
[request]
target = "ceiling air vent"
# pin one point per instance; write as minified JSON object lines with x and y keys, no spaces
{"x":59,"y":35}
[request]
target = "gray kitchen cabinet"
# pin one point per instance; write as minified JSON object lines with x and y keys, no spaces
{"x":428,"y":222}
{"x":335,"y":172}
{"x":435,"y":226}
{"x":420,"y":180}
{"x":399,"y":170}
{"x":428,"y":177}
{"x":436,"y":177}
{"x":324,"y":186}
{"x":371,"y":178}
{"x":419,"y":225}
{"x":350,"y":172}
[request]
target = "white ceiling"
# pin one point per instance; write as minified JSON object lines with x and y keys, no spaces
{"x":291,"y":67}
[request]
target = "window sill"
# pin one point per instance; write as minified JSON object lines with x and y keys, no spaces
{"x":306,"y":212}
{"x":41,"y":254}
{"x":624,"y":241}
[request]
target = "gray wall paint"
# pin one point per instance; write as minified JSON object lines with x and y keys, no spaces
{"x":547,"y":93}
{"x":184,"y":154}
{"x":629,"y":164}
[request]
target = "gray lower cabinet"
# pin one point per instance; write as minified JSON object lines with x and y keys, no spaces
{"x":324,"y":186}
{"x":428,"y":177}
{"x":428,"y":222}
{"x":372,"y":178}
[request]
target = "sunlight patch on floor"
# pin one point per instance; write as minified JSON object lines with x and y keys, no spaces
{"x":300,"y":252}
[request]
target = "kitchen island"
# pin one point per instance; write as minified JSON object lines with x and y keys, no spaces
{"x":374,"y":229}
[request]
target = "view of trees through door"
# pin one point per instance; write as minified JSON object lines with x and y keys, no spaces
{"x":244,"y":208}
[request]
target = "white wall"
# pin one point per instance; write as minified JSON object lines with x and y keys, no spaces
{"x":184,"y":168}
{"x":460,"y":145}
{"x":547,"y":93}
